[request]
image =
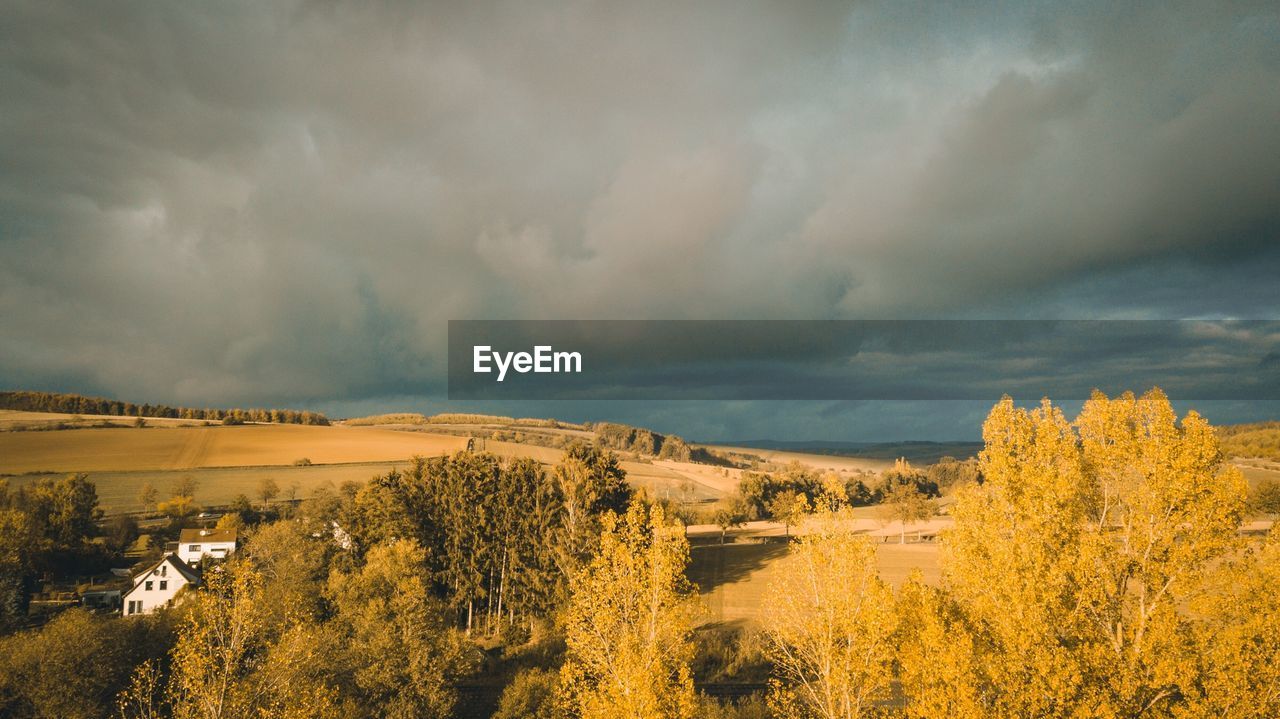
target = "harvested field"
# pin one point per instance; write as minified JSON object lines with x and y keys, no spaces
{"x":160,"y":448}
{"x":12,"y":419}
{"x":118,"y":491}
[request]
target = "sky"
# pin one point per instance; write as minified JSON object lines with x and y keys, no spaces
{"x":283,"y":203}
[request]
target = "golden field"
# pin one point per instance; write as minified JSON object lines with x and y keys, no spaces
{"x":228,"y":461}
{"x":168,"y":448}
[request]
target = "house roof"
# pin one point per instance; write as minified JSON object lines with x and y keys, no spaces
{"x":197,"y":535}
{"x":180,"y":566}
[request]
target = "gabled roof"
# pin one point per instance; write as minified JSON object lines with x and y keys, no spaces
{"x":196,"y":535}
{"x":178,"y":565}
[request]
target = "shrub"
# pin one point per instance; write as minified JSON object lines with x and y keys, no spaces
{"x":531,"y":693}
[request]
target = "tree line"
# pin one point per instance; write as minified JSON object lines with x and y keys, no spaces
{"x":903,"y":492}
{"x":1259,"y":439}
{"x":46,"y":527}
{"x":646,"y":442}
{"x":80,"y":404}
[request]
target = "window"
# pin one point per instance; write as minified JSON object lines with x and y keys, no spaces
{"x":164,"y":571}
{"x":193,"y":547}
{"x":163,"y":585}
{"x":134,"y":607}
{"x":148,"y":586}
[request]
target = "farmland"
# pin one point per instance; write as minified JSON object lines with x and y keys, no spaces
{"x":120,"y":449}
{"x":227,"y":461}
{"x":118,"y":491}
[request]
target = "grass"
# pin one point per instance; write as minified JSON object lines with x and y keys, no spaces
{"x":735,"y":578}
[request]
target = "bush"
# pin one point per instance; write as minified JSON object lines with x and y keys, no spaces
{"x":1265,"y":497}
{"x":729,"y":653}
{"x":75,"y":665}
{"x":748,"y":707}
{"x":531,"y":693}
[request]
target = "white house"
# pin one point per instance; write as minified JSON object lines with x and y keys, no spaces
{"x":196,"y":543}
{"x":157,"y":586}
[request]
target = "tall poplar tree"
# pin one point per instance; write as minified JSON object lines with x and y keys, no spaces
{"x":830,"y":623}
{"x":629,"y":622}
{"x":1070,"y":569}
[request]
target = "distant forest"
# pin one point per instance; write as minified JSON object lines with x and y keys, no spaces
{"x":79,"y":404}
{"x":1260,"y":439}
{"x":459,"y":418}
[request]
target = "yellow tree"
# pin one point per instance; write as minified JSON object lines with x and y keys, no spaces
{"x":628,"y":624}
{"x":903,"y":503}
{"x":1070,"y":568}
{"x":1239,"y":675}
{"x":222,"y":632}
{"x":144,"y":697}
{"x":830,"y":622}
{"x":239,"y":654}
{"x":296,"y":676}
{"x":403,"y":653}
{"x":1162,"y":509}
{"x":789,"y":507}
{"x":1007,"y":564}
{"x":937,"y":661}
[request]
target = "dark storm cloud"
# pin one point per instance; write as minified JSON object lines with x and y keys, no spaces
{"x":863,"y":360}
{"x":284,"y":202}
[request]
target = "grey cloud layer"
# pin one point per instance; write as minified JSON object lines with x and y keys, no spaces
{"x":223,"y":203}
{"x":877,"y":360}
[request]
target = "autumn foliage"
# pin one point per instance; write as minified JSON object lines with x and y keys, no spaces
{"x":1096,"y":569}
